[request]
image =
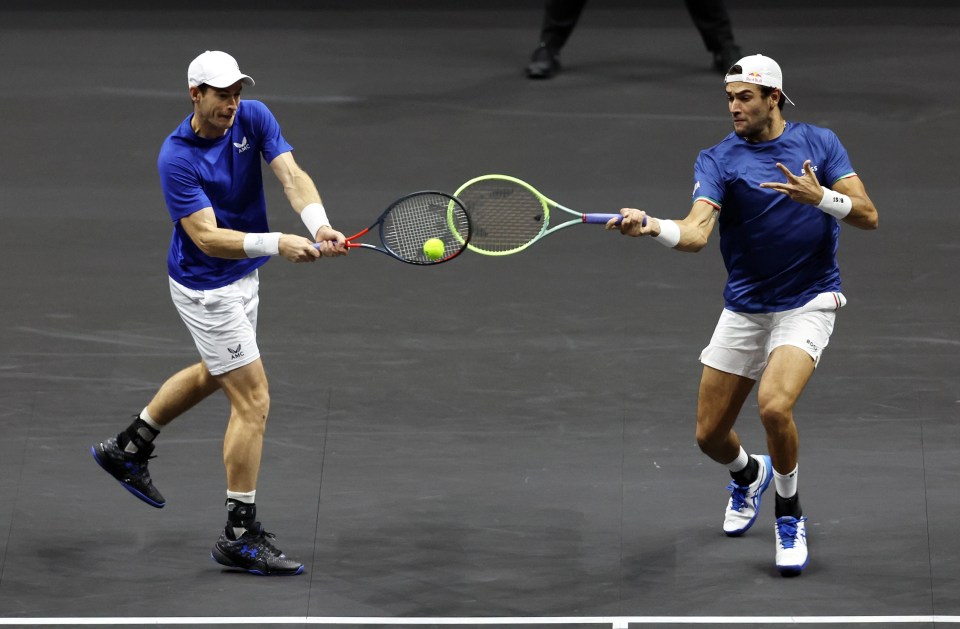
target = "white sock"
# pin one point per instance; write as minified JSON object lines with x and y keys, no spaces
{"x":740,"y":463}
{"x":145,"y":416}
{"x":248,"y":497}
{"x":786,"y":484}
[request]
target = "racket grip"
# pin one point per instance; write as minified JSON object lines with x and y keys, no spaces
{"x":604,"y":218}
{"x":349,"y":244}
{"x":600,"y":218}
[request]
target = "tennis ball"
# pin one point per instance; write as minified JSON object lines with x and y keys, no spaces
{"x":433,"y":249}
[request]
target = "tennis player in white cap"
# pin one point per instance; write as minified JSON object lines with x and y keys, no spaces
{"x":779,"y":191}
{"x":211,"y":180}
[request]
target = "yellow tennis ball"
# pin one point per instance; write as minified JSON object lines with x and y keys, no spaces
{"x":433,"y":249}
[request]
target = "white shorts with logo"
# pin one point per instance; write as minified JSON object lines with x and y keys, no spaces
{"x":222,"y":321}
{"x":742,"y":341}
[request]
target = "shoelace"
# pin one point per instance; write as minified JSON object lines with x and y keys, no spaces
{"x":268,"y":542}
{"x":738,"y":496}
{"x":139,"y":466}
{"x":264,"y":542}
{"x":788,"y":532}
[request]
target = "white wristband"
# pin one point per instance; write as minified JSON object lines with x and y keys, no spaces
{"x":259,"y":245}
{"x":314,"y":217}
{"x":835,"y":204}
{"x":669,"y":233}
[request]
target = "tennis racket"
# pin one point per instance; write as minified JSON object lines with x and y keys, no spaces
{"x":508,"y":215}
{"x":411,"y":221}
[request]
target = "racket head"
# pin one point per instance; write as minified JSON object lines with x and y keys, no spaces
{"x":412,"y":220}
{"x":507,"y":214}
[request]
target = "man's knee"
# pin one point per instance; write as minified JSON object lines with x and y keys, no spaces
{"x":248,"y":392}
{"x":776,"y":414}
{"x":710,"y":437}
{"x":255,"y":403}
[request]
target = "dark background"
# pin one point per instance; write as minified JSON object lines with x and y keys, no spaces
{"x":490,"y":437}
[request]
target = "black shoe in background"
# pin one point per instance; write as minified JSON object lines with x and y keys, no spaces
{"x":544,"y":64}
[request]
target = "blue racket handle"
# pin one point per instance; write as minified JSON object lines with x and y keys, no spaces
{"x":604,"y":218}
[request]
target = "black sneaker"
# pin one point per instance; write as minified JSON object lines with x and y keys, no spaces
{"x":544,"y":63}
{"x":129,"y":469}
{"x":254,"y":552}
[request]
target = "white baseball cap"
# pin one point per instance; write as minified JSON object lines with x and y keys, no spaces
{"x":759,"y":70}
{"x":216,"y":69}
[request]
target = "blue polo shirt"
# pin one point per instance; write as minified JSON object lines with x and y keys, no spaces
{"x":222,"y":173}
{"x":779,"y":254}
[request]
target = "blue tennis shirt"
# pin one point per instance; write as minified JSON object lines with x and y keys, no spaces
{"x":223,"y":173}
{"x":779,"y":254}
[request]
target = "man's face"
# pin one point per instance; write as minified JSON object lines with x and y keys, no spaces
{"x":215,"y":108}
{"x":750,"y":110}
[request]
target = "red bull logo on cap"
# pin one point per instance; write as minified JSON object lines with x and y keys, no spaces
{"x":754,"y":77}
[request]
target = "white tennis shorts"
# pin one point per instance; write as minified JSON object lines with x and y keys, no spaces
{"x":222,"y":321}
{"x":742,"y":341}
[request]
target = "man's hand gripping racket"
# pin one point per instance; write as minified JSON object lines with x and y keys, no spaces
{"x":630,"y":222}
{"x":422,"y":228}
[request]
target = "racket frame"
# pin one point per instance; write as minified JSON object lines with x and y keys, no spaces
{"x":546,"y":203}
{"x":453,"y":202}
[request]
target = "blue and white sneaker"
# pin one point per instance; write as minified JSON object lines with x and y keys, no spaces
{"x":744,"y":503}
{"x":792,"y":555}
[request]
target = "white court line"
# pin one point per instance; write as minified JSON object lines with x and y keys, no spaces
{"x":616,"y":622}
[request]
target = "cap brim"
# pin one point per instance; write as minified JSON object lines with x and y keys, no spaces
{"x":226,"y":80}
{"x":740,"y":78}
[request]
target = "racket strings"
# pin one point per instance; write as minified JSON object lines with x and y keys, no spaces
{"x":505,"y":216}
{"x":420,"y":217}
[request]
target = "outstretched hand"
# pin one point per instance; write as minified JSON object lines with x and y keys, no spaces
{"x":804,"y":189}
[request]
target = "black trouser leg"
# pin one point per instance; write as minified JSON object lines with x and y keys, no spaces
{"x":712,"y":20}
{"x":559,"y":18}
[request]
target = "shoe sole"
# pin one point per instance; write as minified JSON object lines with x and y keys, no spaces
{"x":146,"y":499}
{"x":792,"y":571}
{"x":223,"y":560}
{"x":763,"y":487}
